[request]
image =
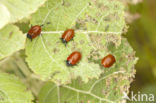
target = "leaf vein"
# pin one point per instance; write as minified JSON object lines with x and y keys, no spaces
{"x":81,"y":31}
{"x":104,"y":78}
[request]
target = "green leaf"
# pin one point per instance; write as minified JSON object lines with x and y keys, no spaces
{"x":90,"y":19}
{"x":12,"y":90}
{"x":14,"y":10}
{"x":11,"y":40}
{"x":109,"y":88}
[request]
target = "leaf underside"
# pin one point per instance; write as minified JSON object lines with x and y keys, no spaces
{"x":11,"y":40}
{"x":14,"y":10}
{"x":12,"y":90}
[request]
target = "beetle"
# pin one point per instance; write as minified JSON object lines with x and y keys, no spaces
{"x":73,"y":58}
{"x":108,"y":61}
{"x":67,"y":35}
{"x":34,"y":32}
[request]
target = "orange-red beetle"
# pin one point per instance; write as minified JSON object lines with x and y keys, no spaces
{"x":34,"y":32}
{"x":108,"y":61}
{"x":67,"y":35}
{"x":73,"y":58}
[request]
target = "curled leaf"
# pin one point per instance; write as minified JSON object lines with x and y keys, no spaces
{"x":11,"y":40}
{"x":14,"y":10}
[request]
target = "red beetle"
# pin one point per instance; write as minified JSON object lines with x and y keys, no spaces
{"x":67,"y":35}
{"x":34,"y":32}
{"x":73,"y":58}
{"x":108,"y":61}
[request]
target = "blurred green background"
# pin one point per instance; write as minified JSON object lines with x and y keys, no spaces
{"x":142,"y":37}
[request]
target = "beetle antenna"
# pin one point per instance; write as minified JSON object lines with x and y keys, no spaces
{"x":72,"y":39}
{"x":48,"y":22}
{"x":65,"y":44}
{"x":42,"y":25}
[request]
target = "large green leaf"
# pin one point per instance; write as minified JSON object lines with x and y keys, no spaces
{"x":109,"y":88}
{"x":95,"y":23}
{"x":12,"y":90}
{"x":11,"y":40}
{"x":14,"y":10}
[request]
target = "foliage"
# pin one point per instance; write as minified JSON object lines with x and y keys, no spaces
{"x":13,"y":10}
{"x":12,"y":90}
{"x":108,"y":88}
{"x":98,"y":26}
{"x":94,"y":29}
{"x":12,"y":40}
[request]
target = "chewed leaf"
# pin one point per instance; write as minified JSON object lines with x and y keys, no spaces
{"x":46,"y":54}
{"x":14,"y":10}
{"x":53,"y":54}
{"x":12,"y":90}
{"x":87,"y":15}
{"x":11,"y":40}
{"x":109,"y":88}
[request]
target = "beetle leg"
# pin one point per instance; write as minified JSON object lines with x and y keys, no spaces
{"x":29,"y":36}
{"x":65,"y":43}
{"x":72,"y":39}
